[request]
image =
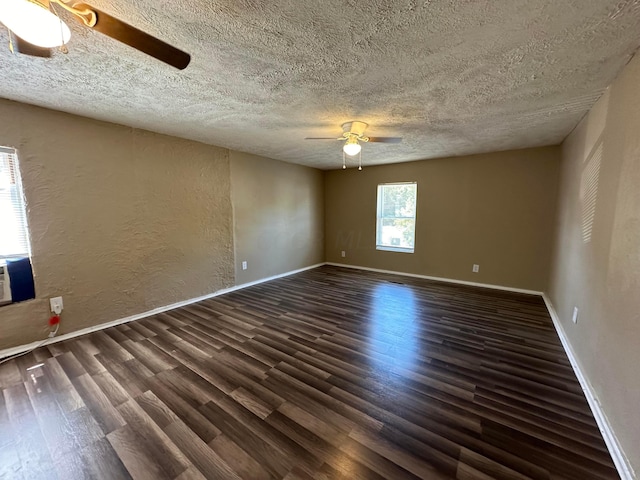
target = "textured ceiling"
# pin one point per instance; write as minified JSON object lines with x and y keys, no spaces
{"x":451,"y":77}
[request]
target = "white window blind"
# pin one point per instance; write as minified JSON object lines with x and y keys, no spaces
{"x":14,"y":236}
{"x":396,"y":218}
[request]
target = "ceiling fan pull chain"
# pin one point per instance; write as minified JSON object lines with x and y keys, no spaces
{"x":360,"y":160}
{"x":63,"y":48}
{"x":344,"y":160}
{"x":10,"y":41}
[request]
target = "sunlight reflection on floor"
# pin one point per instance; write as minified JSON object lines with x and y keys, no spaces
{"x":394,"y":328}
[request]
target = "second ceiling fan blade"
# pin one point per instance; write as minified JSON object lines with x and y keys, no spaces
{"x":137,"y":39}
{"x":323,"y":138}
{"x":385,"y":139}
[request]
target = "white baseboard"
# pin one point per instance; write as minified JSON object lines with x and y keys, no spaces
{"x":617,"y":454}
{"x":440,"y":279}
{"x":25,"y":348}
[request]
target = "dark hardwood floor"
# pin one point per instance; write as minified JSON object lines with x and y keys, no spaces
{"x":331,"y":373}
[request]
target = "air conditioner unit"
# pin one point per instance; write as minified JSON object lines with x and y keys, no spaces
{"x":16,"y":281}
{"x":5,"y":285}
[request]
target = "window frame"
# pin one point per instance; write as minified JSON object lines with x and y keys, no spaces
{"x":19,"y":206}
{"x":380,"y":218}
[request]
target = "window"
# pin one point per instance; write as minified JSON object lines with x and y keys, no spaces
{"x":14,"y":238}
{"x":396,"y":224}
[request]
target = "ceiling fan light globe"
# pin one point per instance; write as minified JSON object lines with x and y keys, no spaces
{"x":34,"y":23}
{"x":352,"y":149}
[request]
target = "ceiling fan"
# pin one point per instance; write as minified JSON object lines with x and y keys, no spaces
{"x":36,"y":28}
{"x":353,"y":134}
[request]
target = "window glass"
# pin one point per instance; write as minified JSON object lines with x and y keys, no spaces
{"x":396,"y":217}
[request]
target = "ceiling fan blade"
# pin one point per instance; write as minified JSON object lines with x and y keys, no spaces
{"x":385,"y":139}
{"x":26,"y":48}
{"x":323,"y":138}
{"x":137,"y":39}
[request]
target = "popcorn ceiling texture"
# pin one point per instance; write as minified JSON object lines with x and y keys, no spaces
{"x":122,"y":221}
{"x":452,"y":77}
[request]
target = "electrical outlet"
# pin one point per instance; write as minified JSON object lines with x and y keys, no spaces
{"x":56,"y":305}
{"x":344,"y":254}
{"x":574,"y":318}
{"x":244,"y":265}
{"x":476,"y":268}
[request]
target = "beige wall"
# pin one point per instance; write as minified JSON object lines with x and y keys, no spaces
{"x":278,"y":216}
{"x":496,"y":210}
{"x":602,"y":276}
{"x":121,"y":220}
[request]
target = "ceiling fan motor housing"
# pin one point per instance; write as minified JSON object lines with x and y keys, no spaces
{"x":354,"y":128}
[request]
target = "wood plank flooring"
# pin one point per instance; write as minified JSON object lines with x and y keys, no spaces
{"x":329,"y":374}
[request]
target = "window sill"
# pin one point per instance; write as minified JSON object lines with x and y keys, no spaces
{"x":394,"y":249}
